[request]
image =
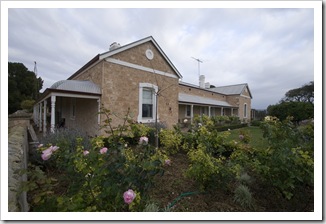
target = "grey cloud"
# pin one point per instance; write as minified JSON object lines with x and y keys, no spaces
{"x":270,"y":49}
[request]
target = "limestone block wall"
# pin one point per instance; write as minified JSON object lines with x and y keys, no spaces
{"x":121,"y":91}
{"x":17,"y":159}
{"x":244,"y":100}
{"x":93,"y":73}
{"x":201,"y":92}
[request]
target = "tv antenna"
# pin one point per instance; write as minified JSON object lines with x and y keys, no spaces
{"x":199,"y":61}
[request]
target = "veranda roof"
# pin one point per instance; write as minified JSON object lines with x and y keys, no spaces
{"x":193,"y":99}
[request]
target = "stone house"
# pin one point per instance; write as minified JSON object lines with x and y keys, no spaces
{"x":138,"y":77}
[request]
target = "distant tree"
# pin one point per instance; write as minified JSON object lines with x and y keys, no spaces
{"x":298,"y":110}
{"x":302,"y":94}
{"x":22,"y":85}
{"x":27,"y":105}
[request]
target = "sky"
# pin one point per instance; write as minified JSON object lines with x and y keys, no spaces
{"x":271,"y":49}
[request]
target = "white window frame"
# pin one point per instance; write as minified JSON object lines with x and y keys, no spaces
{"x":186,"y":115}
{"x":140,"y":107}
{"x":245,"y":108}
{"x":72,"y":108}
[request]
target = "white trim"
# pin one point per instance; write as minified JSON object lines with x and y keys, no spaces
{"x":245,"y":96}
{"x":53,"y":99}
{"x":72,"y":108}
{"x":140,"y":105}
{"x":75,"y":95}
{"x":186,"y":115}
{"x":44,"y":116}
{"x":137,"y":43}
{"x":139,"y":67}
{"x":245,"y":112}
{"x":99,"y":111}
{"x":123,"y":48}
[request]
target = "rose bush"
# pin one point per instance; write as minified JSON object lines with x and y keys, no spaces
{"x":92,"y":177}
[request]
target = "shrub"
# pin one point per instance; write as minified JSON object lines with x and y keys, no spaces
{"x":203,"y":168}
{"x":102,"y":173}
{"x":255,"y":123}
{"x":243,"y":197}
{"x":170,"y":140}
{"x":288,"y":162}
{"x":27,"y":105}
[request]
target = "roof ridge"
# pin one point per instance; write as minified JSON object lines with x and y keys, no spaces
{"x":231,"y":85}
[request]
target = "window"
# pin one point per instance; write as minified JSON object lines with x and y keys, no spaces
{"x":188,"y":110}
{"x":147,"y":102}
{"x":73,"y":108}
{"x":245,"y":110}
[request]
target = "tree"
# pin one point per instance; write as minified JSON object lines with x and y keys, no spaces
{"x":302,"y":94}
{"x":297,"y":103}
{"x":298,"y":110}
{"x":22,"y":85}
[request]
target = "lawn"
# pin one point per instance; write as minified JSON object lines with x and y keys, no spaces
{"x":256,"y":136}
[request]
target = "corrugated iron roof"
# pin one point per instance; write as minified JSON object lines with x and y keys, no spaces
{"x":77,"y":85}
{"x":186,"y":98}
{"x":232,"y":89}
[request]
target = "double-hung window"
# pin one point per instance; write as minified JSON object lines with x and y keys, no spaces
{"x":188,"y":110}
{"x":245,"y":110}
{"x":147,"y":102}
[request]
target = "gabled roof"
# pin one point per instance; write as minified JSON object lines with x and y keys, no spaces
{"x":232,"y":89}
{"x":107,"y":54}
{"x":193,"y":99}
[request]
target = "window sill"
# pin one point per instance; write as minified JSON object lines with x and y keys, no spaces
{"x":145,"y":121}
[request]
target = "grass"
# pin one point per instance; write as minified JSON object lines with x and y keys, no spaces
{"x":256,"y":136}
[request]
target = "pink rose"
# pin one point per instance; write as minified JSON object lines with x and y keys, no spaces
{"x":103,"y":150}
{"x":54,"y":148}
{"x":129,"y":196}
{"x":86,"y":152}
{"x":47,"y":151}
{"x":168,"y":162}
{"x":46,"y":156}
{"x":143,"y":140}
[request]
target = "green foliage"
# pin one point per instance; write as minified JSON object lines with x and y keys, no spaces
{"x":170,"y":140}
{"x":203,"y":167}
{"x":284,"y":162}
{"x":95,"y":173}
{"x":297,"y":103}
{"x":243,"y":197}
{"x":151,"y":207}
{"x":244,"y":136}
{"x":302,"y":94}
{"x":22,"y":85}
{"x":255,"y":123}
{"x":298,"y":110}
{"x":27,"y":105}
{"x":40,"y":187}
{"x":288,"y":162}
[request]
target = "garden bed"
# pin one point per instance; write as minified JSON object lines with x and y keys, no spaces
{"x":247,"y":169}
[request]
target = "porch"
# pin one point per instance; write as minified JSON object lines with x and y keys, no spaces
{"x":191,"y":105}
{"x":61,"y":108}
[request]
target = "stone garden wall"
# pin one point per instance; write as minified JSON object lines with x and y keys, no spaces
{"x":17,"y":159}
